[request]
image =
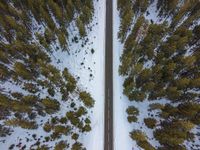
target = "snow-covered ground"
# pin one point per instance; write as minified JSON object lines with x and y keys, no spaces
{"x":88,"y":68}
{"x":122,"y":127}
{"x":95,"y":84}
{"x":153,"y":14}
{"x":122,"y":141}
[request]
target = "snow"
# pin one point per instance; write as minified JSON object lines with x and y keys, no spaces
{"x":195,"y":143}
{"x":90,"y":77}
{"x":9,"y":86}
{"x":148,"y":64}
{"x":21,"y":135}
{"x":153,"y":14}
{"x":82,"y":64}
{"x":184,"y":18}
{"x":144,"y":112}
{"x":89,"y":69}
{"x":121,"y":125}
{"x":94,"y":139}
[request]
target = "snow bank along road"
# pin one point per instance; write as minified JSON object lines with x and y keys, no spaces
{"x":108,"y":123}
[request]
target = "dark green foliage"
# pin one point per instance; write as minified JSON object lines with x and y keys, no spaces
{"x":4,"y":73}
{"x":81,"y":27}
{"x":141,"y":140}
{"x":140,"y":6}
{"x":187,"y":111}
{"x":73,"y":119}
{"x":160,"y":61}
{"x":71,"y":82}
{"x":30,"y":99}
{"x":75,"y":136}
{"x":32,"y":88}
{"x":22,"y":123}
{"x":63,"y":120}
{"x":137,"y":95}
{"x":61,"y":146}
{"x":22,"y":71}
{"x":163,"y":70}
{"x":47,"y":127}
{"x":49,"y":36}
{"x":51,"y":106}
{"x":138,"y":135}
{"x":4,"y":57}
{"x":128,"y":86}
{"x":17,"y":95}
{"x":132,"y":113}
{"x":87,"y":121}
{"x":126,"y":60}
{"x":155,"y":106}
{"x":196,"y":32}
{"x":177,"y":147}
{"x":77,"y":146}
{"x":43,"y":147}
{"x":126,"y":14}
{"x":42,"y":41}
{"x":52,"y":73}
{"x":59,"y":129}
{"x":81,"y":111}
{"x":87,"y":128}
{"x":173,"y":93}
{"x":189,"y":7}
{"x":86,"y":99}
{"x":150,"y":122}
{"x":4,"y":101}
{"x":13,"y":105}
{"x":57,"y":11}
{"x":145,"y":145}
{"x":174,"y":133}
{"x":62,"y":39}
{"x":30,"y":34}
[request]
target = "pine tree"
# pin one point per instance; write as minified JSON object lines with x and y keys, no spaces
{"x":22,"y":123}
{"x":126,"y":22}
{"x":51,"y":106}
{"x":77,"y":146}
{"x":81,"y":27}
{"x":132,"y":114}
{"x":62,"y":145}
{"x":22,"y":71}
{"x":86,"y":99}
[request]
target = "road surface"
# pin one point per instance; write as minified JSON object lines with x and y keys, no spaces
{"x":108,"y":123}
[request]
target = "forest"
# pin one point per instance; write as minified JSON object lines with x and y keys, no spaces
{"x":37,"y":96}
{"x":161,"y":67}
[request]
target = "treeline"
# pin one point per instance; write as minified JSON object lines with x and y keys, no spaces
{"x":16,"y":18}
{"x":128,"y":10}
{"x":161,"y":61}
{"x":38,"y":89}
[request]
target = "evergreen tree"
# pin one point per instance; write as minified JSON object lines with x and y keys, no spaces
{"x":132,"y":113}
{"x":86,"y":99}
